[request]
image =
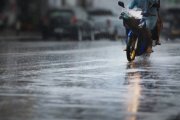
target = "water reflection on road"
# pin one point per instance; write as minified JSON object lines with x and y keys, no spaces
{"x":136,"y":71}
{"x":87,"y":81}
{"x":133,"y":79}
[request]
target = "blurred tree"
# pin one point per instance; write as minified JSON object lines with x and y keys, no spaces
{"x":63,"y":2}
{"x":29,"y":13}
{"x":172,"y":1}
{"x":3,"y":3}
{"x":82,"y":3}
{"x":85,"y":3}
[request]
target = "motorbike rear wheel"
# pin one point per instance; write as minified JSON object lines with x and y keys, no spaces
{"x":131,"y":50}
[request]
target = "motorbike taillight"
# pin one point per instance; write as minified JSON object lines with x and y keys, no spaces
{"x":73,"y":20}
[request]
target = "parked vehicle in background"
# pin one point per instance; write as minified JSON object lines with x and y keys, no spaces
{"x":107,"y":24}
{"x":3,"y":21}
{"x":67,"y":22}
{"x":171,"y":27}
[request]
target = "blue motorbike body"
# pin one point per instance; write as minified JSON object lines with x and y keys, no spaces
{"x":142,"y":42}
{"x":138,"y":35}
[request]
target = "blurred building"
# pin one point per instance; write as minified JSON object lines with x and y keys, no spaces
{"x":170,"y":3}
{"x":59,"y":3}
{"x":30,"y":12}
{"x":108,"y":4}
{"x":7,"y":12}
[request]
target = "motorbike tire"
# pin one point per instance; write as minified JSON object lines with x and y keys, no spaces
{"x":131,"y":52}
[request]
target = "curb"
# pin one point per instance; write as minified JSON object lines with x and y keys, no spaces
{"x":16,"y":38}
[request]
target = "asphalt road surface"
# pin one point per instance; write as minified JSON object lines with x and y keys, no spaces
{"x":88,"y":81}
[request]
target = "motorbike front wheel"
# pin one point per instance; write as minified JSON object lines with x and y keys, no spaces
{"x":131,"y":50}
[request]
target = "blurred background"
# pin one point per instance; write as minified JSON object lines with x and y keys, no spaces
{"x":77,"y":19}
{"x":88,"y":80}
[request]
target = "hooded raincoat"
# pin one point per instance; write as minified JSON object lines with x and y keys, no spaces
{"x":146,"y":6}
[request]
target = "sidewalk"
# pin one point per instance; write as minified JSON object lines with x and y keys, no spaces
{"x":10,"y":35}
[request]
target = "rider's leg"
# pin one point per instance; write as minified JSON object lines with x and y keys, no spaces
{"x":155,"y":35}
{"x":150,"y":24}
{"x":148,"y":36}
{"x":159,"y":27}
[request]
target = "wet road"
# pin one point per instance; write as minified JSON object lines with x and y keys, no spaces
{"x":87,"y":81}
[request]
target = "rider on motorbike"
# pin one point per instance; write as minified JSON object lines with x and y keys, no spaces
{"x":149,"y":12}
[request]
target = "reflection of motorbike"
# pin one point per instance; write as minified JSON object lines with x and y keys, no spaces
{"x":140,"y":80}
{"x":133,"y":80}
{"x":136,"y":42}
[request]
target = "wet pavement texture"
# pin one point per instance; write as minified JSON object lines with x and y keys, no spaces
{"x":88,"y":81}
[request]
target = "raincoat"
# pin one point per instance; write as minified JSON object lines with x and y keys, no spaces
{"x":146,"y":6}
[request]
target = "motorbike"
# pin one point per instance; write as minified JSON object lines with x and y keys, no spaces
{"x":137,"y":44}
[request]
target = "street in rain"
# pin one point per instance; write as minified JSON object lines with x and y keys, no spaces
{"x":49,"y":71}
